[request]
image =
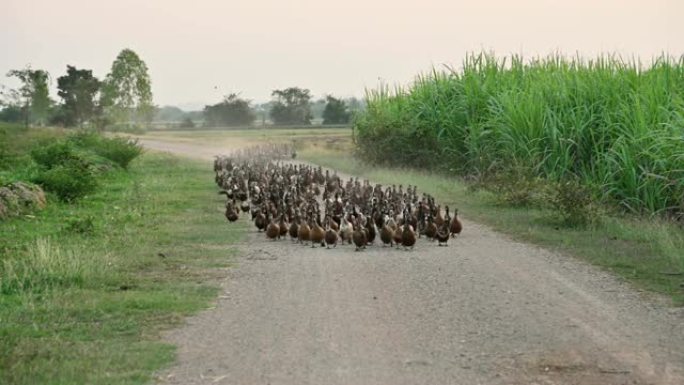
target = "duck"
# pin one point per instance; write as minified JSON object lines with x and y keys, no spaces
{"x":439,"y":220}
{"x":231,"y":213}
{"x":244,"y":206}
{"x":456,"y":226}
{"x":386,"y":234}
{"x":294,"y":230}
{"x":408,"y":236}
{"x":359,"y":237}
{"x":431,"y":228}
{"x":283,"y":225}
{"x":442,"y":236}
{"x":260,"y":221}
{"x":398,"y":234}
{"x":346,"y":230}
{"x":273,"y":230}
{"x":304,"y":232}
{"x":370,"y":229}
{"x":317,"y":234}
{"x":330,"y":234}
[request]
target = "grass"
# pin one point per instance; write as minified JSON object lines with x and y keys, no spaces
{"x":256,"y":133}
{"x":645,"y":251}
{"x":86,"y":288}
{"x":614,"y":125}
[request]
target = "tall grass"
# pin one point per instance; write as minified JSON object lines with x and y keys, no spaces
{"x":614,"y":125}
{"x":48,"y":266}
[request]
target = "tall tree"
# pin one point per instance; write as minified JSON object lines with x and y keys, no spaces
{"x":336,"y":111}
{"x":126,"y":92}
{"x":35,"y":94}
{"x":78,"y":89}
{"x":232,"y":111}
{"x":291,"y":106}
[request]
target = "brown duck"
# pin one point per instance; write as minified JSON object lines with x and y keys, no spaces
{"x":431,"y":229}
{"x":317,"y":234}
{"x":284,"y":227}
{"x":260,"y":221}
{"x":330,"y":234}
{"x":398,"y":234}
{"x":386,"y":236}
{"x":273,"y":230}
{"x":304,"y":232}
{"x":370,"y":228}
{"x":359,"y":237}
{"x":231,"y":214}
{"x":442,"y":236}
{"x":294,"y":230}
{"x":456,"y":226}
{"x":408,"y":236}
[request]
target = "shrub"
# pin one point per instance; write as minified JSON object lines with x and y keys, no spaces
{"x":55,"y":154}
{"x":573,"y":201}
{"x":119,"y":150}
{"x":69,"y":181}
{"x":515,"y":186}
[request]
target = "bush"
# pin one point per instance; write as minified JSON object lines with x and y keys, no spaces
{"x":573,"y":202}
{"x":55,"y":154}
{"x":515,"y":186}
{"x":69,"y":181}
{"x":119,"y":150}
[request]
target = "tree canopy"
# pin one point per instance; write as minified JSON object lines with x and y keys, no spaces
{"x":126,"y":93}
{"x":336,"y":111}
{"x":34,"y":93}
{"x":291,"y":106}
{"x":232,"y":111}
{"x":78,"y":90}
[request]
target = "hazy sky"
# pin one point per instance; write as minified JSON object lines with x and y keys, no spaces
{"x":199,"y":50}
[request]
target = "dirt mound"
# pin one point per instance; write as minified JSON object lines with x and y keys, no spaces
{"x":20,"y":198}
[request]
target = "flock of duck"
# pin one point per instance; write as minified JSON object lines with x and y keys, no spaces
{"x":317,"y":207}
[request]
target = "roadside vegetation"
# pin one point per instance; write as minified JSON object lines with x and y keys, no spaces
{"x":606,"y":126}
{"x":88,"y":283}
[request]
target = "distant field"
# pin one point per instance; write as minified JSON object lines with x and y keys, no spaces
{"x":332,"y":138}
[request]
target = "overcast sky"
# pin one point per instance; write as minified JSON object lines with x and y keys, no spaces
{"x":199,"y":50}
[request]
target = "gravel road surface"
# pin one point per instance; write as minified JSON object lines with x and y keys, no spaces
{"x":485,"y":310}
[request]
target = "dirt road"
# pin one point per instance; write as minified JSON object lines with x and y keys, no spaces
{"x":485,"y":310}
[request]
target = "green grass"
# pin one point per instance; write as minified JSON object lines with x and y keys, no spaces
{"x":643,"y":251}
{"x":84,"y":292}
{"x":615,"y":126}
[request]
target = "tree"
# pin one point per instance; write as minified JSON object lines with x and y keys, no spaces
{"x":317,"y":108}
{"x":291,"y":106}
{"x":169,"y":114}
{"x":77,"y":89}
{"x":126,"y":93}
{"x":336,"y":111}
{"x":12,"y":114}
{"x":187,"y":123}
{"x":35,"y":94}
{"x":355,"y":105}
{"x":232,"y":111}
